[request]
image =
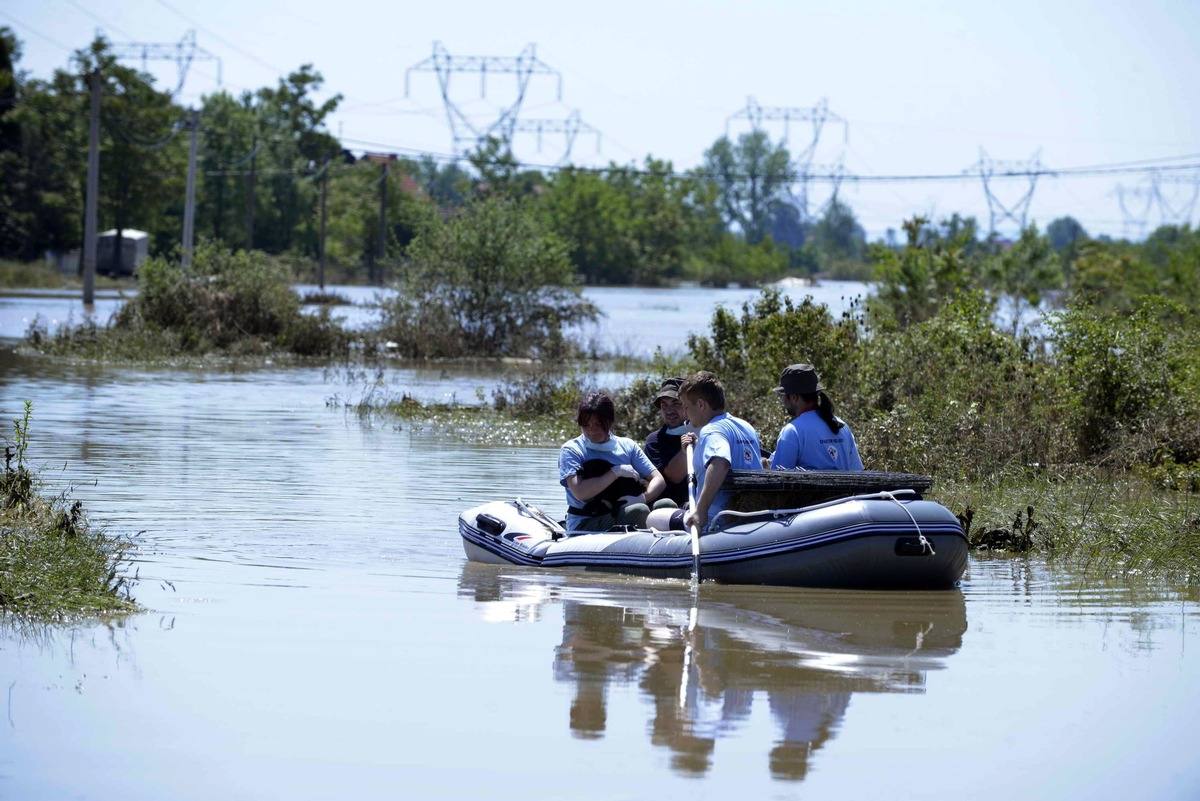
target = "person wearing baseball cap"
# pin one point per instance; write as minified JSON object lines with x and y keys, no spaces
{"x":815,"y":439}
{"x":664,"y":445}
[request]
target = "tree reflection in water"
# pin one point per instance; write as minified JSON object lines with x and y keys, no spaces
{"x":808,"y":651}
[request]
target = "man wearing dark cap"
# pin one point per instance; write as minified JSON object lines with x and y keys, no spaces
{"x":815,"y":439}
{"x":663,"y":445}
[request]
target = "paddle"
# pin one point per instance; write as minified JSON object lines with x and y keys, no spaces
{"x":694,"y":528}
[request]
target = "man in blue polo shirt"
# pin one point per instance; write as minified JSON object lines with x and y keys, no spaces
{"x":723,"y":443}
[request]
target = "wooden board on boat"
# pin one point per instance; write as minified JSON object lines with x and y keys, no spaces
{"x":784,"y":489}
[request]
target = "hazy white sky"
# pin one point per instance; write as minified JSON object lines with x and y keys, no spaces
{"x":923,"y":86}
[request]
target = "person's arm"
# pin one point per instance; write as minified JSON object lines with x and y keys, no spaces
{"x":787,"y":450}
{"x":655,"y":488}
{"x":676,"y":469}
{"x":587,"y":488}
{"x":714,"y":476}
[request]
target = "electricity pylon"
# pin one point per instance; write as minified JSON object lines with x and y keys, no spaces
{"x":466,"y":133}
{"x":183,"y":53}
{"x":802,"y":160}
{"x":1176,"y":207}
{"x":1134,"y":219}
{"x":989,"y":169}
{"x":571,"y":127}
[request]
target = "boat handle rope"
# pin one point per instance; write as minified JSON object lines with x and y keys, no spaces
{"x":874,"y":496}
{"x":882,"y":495}
{"x":926,"y":545}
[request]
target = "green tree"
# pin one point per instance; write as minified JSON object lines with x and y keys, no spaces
{"x":750,"y":178}
{"x":837,"y":236}
{"x":916,"y":281}
{"x":1064,"y":232}
{"x":352,"y":209}
{"x":295,"y":146}
{"x":491,"y":281}
{"x":1024,"y":272}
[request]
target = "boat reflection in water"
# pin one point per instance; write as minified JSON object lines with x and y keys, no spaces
{"x":701,"y":666}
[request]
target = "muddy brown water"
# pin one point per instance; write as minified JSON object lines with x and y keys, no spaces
{"x":314,"y":631}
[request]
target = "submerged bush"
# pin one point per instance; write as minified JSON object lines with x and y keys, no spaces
{"x":230,"y":303}
{"x":491,"y":281}
{"x":52,"y":562}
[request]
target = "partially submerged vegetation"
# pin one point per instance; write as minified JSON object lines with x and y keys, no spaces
{"x":1080,"y":437}
{"x":53,"y":563}
{"x":226,"y":304}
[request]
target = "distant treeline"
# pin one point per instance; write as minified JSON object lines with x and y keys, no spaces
{"x":271,"y":178}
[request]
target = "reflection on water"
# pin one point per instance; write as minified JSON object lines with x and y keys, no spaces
{"x":315,"y":632}
{"x":807,"y":651}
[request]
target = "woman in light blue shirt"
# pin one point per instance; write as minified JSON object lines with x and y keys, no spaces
{"x":609,"y":480}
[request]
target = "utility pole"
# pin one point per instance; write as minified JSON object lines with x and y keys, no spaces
{"x":321,"y":242}
{"x":381,"y":247}
{"x":93,"y":189}
{"x":250,"y":190}
{"x":189,"y":205}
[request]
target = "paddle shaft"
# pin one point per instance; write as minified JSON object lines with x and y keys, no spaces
{"x":694,"y":528}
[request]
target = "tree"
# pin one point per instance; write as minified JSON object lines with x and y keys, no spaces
{"x":1065,"y":232}
{"x":1025,"y":271}
{"x":750,"y":177}
{"x":629,"y":225}
{"x":838,"y":236}
{"x":491,"y":281}
{"x":294,"y":146}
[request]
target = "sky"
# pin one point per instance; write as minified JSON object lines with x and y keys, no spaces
{"x":923,"y":96}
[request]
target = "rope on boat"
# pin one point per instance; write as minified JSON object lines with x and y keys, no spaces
{"x":874,"y":496}
{"x":926,"y":545}
{"x":883,"y":495}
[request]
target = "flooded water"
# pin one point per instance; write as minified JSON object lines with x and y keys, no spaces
{"x":314,"y":631}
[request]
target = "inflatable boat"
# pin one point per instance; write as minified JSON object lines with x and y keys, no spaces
{"x":875,"y":539}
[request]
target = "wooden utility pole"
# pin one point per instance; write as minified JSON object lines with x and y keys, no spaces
{"x":381,"y":248}
{"x":250,"y":196}
{"x":321,"y":242}
{"x":189,"y":205}
{"x":93,"y":190}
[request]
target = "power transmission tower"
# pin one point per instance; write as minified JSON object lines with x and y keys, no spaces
{"x":466,"y":133}
{"x":183,"y":53}
{"x":816,"y":116}
{"x":989,"y":169}
{"x":571,"y":127}
{"x":1176,"y":206}
{"x":1134,"y":220}
{"x":834,"y":174}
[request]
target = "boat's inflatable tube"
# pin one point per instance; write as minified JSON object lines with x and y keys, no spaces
{"x":871,"y":541}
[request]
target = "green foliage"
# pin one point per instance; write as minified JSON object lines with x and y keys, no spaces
{"x":52,"y":563}
{"x":238,"y":304}
{"x":1024,"y":272}
{"x":1131,"y":381}
{"x":915,"y":282}
{"x":630,"y":226}
{"x":732,"y":261}
{"x":750,"y":177}
{"x":838,"y":237}
{"x":748,"y":352}
{"x":491,"y":281}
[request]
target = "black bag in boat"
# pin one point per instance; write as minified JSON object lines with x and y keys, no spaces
{"x":609,"y":499}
